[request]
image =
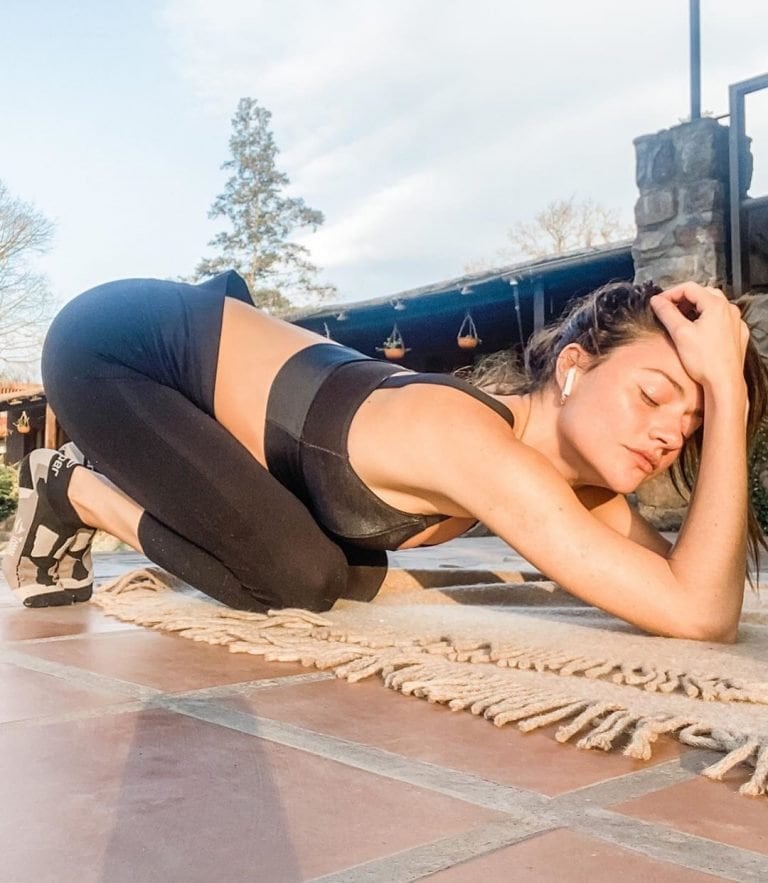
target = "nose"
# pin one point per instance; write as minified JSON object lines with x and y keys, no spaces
{"x":669,"y":434}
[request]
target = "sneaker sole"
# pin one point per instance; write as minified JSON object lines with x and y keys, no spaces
{"x":59,"y":598}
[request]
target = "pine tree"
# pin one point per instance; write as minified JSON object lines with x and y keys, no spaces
{"x":261,"y":219}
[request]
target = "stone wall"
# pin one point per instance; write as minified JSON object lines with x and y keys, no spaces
{"x":682,"y":210}
{"x":757,"y":227}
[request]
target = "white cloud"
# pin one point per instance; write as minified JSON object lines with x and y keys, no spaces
{"x":426,"y":129}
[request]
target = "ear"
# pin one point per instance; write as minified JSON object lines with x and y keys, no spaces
{"x":571,"y":356}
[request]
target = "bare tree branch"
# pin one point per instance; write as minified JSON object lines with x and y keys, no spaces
{"x":567,"y":224}
{"x":25,"y":300}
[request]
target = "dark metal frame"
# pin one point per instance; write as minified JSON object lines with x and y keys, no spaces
{"x":694,"y":19}
{"x":737,"y":139}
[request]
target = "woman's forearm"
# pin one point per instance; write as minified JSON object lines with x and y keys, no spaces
{"x":709,"y":558}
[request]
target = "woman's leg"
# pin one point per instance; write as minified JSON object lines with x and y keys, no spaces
{"x":193,"y":498}
{"x":196,"y":501}
{"x":102,"y":505}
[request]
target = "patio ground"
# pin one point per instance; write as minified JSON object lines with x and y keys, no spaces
{"x":127,"y":755}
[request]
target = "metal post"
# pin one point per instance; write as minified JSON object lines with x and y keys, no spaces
{"x":538,"y":306}
{"x":695,"y":27}
{"x":516,"y":294}
{"x":736,"y":134}
{"x":738,"y":185}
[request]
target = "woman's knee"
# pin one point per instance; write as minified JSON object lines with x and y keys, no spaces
{"x":309,"y":581}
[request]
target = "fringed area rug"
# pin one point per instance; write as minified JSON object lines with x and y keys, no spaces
{"x":516,"y":654}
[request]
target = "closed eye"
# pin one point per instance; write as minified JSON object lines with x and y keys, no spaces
{"x":647,"y":399}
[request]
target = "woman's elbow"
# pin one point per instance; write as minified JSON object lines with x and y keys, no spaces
{"x":710,"y":633}
{"x":729,"y":636}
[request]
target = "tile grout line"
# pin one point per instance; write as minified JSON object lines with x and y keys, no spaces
{"x":603,"y":823}
{"x":112,"y":710}
{"x":57,"y":639}
{"x":650,"y":839}
{"x":616,"y":789}
{"x":439,"y":855}
{"x":84,"y":677}
{"x":638,"y":783}
{"x":224,"y":691}
{"x":451,"y":783}
{"x":609,"y":791}
{"x":658,"y":841}
{"x":79,"y":676}
{"x":455,"y":783}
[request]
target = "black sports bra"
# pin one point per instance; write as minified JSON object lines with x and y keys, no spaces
{"x":311,"y":404}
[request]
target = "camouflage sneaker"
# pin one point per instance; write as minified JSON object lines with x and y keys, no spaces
{"x":76,"y":563}
{"x":40,"y":538}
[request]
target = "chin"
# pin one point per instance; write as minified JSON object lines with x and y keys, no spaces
{"x":625,"y":487}
{"x":623,"y":484}
{"x":636,"y":484}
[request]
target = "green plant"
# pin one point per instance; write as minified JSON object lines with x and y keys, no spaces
{"x":9,"y":491}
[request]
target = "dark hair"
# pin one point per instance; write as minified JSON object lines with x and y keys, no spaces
{"x":610,"y":317}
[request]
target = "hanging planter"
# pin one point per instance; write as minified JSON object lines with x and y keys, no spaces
{"x":467,"y":338}
{"x":22,"y":424}
{"x":394,"y":346}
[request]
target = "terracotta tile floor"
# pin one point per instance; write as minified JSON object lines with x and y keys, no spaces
{"x":131,"y":755}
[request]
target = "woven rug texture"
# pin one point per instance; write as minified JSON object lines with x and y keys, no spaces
{"x":524,"y":654}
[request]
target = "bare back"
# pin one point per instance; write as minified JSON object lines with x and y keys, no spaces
{"x":396,"y":466}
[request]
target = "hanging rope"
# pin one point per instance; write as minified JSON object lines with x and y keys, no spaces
{"x":467,"y":338}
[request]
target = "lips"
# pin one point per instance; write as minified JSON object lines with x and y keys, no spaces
{"x":647,"y":462}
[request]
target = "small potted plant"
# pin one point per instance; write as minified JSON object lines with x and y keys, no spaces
{"x":467,"y":338}
{"x":394,"y":347}
{"x":22,"y":424}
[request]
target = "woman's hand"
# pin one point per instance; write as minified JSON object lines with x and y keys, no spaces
{"x":707,"y":331}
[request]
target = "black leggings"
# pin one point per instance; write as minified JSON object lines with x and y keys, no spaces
{"x":213,"y":515}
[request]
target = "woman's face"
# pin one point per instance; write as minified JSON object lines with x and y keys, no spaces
{"x":628,"y":417}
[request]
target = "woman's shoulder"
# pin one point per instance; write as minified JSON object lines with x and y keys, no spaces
{"x":470,"y":400}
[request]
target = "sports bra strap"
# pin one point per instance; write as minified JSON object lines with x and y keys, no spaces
{"x":398,"y":380}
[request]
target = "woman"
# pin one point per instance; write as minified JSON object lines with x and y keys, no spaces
{"x":249,"y":456}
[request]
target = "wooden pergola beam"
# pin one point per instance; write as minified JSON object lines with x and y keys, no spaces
{"x":51,"y":428}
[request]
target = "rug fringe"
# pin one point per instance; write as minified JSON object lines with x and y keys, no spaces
{"x":751,"y":752}
{"x":150,"y":582}
{"x":648,"y":676}
{"x":427,"y":668}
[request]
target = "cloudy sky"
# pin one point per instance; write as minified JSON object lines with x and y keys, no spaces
{"x":423,"y":129}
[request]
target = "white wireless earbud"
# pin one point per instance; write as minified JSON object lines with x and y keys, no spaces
{"x":570,"y":374}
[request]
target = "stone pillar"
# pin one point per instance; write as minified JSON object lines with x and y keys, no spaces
{"x":682,"y":233}
{"x":682,"y":210}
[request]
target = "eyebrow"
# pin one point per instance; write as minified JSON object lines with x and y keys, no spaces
{"x":697,"y":412}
